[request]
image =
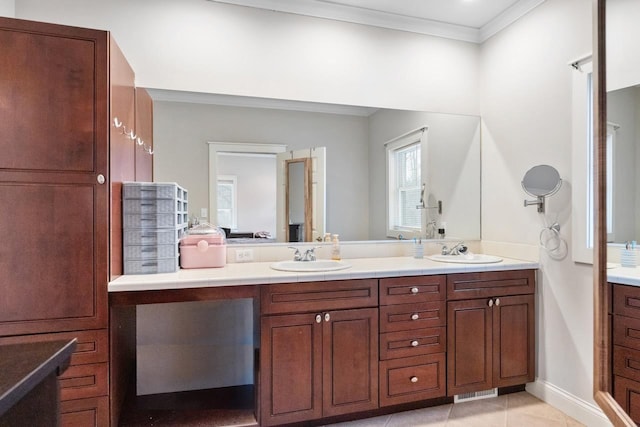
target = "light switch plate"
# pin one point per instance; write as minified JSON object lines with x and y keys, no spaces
{"x":204,"y":213}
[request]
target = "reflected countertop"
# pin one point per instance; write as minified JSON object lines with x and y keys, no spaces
{"x":624,"y":275}
{"x":257,"y":273}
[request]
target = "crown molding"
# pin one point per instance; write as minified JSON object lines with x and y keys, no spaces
{"x":508,"y":17}
{"x":345,"y":13}
{"x":255,"y":102}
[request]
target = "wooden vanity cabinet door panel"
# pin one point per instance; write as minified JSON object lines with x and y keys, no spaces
{"x":52,"y":279}
{"x":626,"y":362}
{"x":513,"y":340}
{"x":413,"y":342}
{"x":490,"y":284}
{"x":403,"y":317}
{"x":627,"y":394}
{"x":396,"y":385}
{"x":404,"y":290}
{"x":318,"y":296}
{"x":626,"y":301}
{"x":91,"y":347}
{"x":49,"y":114}
{"x":350,"y":361}
{"x":626,"y":331}
{"x":89,"y":412}
{"x":469,"y":346}
{"x":290,"y":369}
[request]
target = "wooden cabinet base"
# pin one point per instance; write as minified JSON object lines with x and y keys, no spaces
{"x":627,"y":394}
{"x":85,"y":412}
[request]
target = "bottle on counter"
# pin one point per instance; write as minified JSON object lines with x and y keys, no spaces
{"x":335,"y":249}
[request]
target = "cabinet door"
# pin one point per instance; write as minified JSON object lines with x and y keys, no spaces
{"x":54,"y":144}
{"x":290,"y":369}
{"x":350,"y":365}
{"x":469,"y":349}
{"x":513,"y":340}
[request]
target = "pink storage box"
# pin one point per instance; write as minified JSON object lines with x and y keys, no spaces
{"x":203,"y":250}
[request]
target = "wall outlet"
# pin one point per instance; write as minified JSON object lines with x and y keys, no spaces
{"x":204,"y":213}
{"x":244,"y":255}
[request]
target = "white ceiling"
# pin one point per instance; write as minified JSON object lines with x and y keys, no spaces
{"x":468,"y":20}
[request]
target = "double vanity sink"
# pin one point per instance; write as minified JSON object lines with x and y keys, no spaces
{"x":332,"y":265}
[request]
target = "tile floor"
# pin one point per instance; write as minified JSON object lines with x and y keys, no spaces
{"x":518,"y":409}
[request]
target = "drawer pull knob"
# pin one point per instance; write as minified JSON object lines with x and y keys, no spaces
{"x":414,"y":379}
{"x":490,"y":303}
{"x":415,"y":316}
{"x":497,"y":301}
{"x":327,"y":317}
{"x":415,"y":290}
{"x":318,"y":318}
{"x":414,"y":343}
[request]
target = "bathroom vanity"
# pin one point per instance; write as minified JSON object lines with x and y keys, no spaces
{"x":385,"y":335}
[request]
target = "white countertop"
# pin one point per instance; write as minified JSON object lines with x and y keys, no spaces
{"x":624,"y":276}
{"x":256,"y":273}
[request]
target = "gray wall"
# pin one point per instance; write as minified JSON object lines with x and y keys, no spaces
{"x":182,"y":130}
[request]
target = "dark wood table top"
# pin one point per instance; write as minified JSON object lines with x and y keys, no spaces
{"x":24,"y":366}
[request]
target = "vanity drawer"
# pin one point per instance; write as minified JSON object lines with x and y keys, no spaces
{"x":412,"y":379}
{"x":82,"y":381}
{"x":490,"y":284}
{"x":626,"y":332}
{"x":92,"y":346}
{"x":626,"y":301}
{"x":403,"y":317}
{"x":318,"y":296}
{"x":403,"y":290}
{"x":411,"y":343}
{"x":626,"y":362}
{"x":90,"y":412}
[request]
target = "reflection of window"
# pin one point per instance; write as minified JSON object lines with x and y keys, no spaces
{"x":404,"y":178}
{"x":611,"y":139}
{"x":227,"y":201}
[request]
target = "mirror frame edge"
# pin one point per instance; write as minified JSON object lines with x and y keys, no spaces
{"x":602,"y":377}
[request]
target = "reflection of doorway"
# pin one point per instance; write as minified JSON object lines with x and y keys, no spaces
{"x":247,"y":173}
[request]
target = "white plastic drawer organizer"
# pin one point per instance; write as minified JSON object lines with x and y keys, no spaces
{"x":154,"y":219}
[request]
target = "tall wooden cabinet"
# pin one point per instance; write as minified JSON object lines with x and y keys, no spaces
{"x":61,"y":169}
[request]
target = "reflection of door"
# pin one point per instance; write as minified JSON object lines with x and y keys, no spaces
{"x":318,"y":191}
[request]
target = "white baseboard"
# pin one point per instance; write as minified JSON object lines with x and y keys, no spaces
{"x":585,"y":412}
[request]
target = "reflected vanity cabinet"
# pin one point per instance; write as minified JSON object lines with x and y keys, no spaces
{"x":491,"y":330}
{"x":61,"y":169}
{"x":626,"y":348}
{"x":319,"y":350}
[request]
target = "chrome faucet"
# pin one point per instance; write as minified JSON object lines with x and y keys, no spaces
{"x":458,"y":249}
{"x":309,"y":254}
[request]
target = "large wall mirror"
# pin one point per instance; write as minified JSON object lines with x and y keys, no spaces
{"x":616,"y":151}
{"x":352,"y":196}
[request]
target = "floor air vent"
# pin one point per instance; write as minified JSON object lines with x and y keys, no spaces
{"x":476,"y":395}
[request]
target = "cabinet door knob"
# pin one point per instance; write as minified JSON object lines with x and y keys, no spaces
{"x":490,"y":303}
{"x":414,"y":379}
{"x":497,"y":301}
{"x":327,"y":317}
{"x":415,"y":316}
{"x":414,"y":343}
{"x":415,"y":290}
{"x":318,"y":318}
{"x":100,"y":179}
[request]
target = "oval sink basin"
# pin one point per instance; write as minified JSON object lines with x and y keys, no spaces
{"x":466,"y":259}
{"x":302,"y":266}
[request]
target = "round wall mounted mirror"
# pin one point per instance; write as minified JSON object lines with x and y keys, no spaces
{"x":541,"y":180}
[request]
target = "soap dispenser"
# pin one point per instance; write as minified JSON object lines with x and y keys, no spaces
{"x":335,"y":249}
